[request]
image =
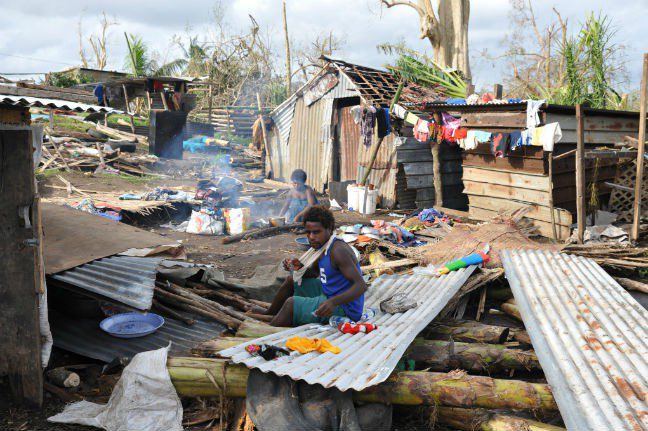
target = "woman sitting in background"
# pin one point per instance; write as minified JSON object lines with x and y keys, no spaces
{"x":299,"y":199}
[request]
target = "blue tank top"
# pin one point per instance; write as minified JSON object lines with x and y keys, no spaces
{"x":334,"y":283}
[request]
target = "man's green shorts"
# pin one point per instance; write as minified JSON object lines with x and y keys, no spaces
{"x":306,"y":299}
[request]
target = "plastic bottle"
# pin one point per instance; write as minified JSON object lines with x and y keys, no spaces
{"x":336,"y":321}
{"x":369,"y":314}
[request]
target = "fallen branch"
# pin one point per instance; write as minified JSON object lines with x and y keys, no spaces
{"x":629,"y":284}
{"x":255,"y":233}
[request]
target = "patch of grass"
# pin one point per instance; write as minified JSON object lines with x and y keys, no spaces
{"x":68,"y":123}
{"x":112,"y":119}
{"x":47,"y":173}
{"x":233,"y":138}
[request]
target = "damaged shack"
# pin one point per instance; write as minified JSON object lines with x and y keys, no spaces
{"x":315,"y":130}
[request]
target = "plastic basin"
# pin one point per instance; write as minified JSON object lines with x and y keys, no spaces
{"x":131,"y":325}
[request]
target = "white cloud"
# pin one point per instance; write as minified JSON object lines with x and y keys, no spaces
{"x":48,"y":30}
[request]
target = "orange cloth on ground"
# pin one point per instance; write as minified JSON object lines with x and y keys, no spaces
{"x":306,"y":345}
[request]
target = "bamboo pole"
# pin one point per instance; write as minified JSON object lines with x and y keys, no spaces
{"x":468,"y":331}
{"x":287,"y":44}
{"x":195,"y":377}
{"x":580,"y":173}
{"x":640,"y":153}
{"x":484,"y":420}
{"x":261,"y":232}
{"x":434,"y":355}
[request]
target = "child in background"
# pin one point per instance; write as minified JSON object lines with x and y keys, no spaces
{"x":299,"y":199}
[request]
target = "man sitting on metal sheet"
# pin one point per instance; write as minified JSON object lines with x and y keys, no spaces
{"x":339,"y":289}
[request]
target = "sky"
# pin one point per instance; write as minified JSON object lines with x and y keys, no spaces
{"x":41,"y":36}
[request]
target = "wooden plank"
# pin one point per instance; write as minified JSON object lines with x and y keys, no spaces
{"x":74,"y":237}
{"x":593,"y":137}
{"x":511,"y":179}
{"x":20,"y":345}
{"x":14,"y":115}
{"x":537,"y":212}
{"x":580,"y":174}
{"x":494,"y":120}
{"x":544,"y":228}
{"x":636,"y":217}
{"x":609,"y":122}
{"x":495,"y":190}
{"x":425,"y":168}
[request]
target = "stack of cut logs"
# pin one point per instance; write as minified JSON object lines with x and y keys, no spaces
{"x":470,"y":375}
{"x":222,"y":305}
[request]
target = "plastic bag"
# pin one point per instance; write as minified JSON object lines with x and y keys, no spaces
{"x":144,"y":399}
{"x":238,"y":220}
{"x":204,"y":224}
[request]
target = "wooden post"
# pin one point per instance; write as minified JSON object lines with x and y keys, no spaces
{"x":164,"y":102}
{"x":470,"y":89}
{"x":132,"y":122}
{"x":498,"y":90}
{"x":436,"y":167}
{"x":20,"y":343}
{"x":209,"y":104}
{"x":580,"y":173}
{"x":636,"y":218}
{"x":268,"y":168}
{"x":51,"y":119}
{"x":287,"y":42}
{"x":551,"y":201}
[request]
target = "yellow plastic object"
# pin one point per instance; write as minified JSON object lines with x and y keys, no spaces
{"x":307,"y":345}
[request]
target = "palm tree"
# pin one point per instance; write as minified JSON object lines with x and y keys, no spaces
{"x":197,"y":59}
{"x":139,"y":63}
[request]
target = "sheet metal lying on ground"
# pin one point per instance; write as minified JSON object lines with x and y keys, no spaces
{"x":128,"y":280}
{"x":590,"y":337}
{"x":366,"y":359}
{"x":83,"y":337}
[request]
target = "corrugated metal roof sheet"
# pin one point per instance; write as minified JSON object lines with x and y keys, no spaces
{"x":590,"y":337}
{"x":283,"y":117}
{"x":52,"y":103}
{"x":84,"y":337}
{"x":366,"y":359}
{"x":128,"y":280}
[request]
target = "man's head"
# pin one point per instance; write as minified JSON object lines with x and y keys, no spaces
{"x":319,"y":224}
{"x":298,"y":178}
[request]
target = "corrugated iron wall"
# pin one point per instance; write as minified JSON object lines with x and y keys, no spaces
{"x":349,"y":143}
{"x":305,"y":144}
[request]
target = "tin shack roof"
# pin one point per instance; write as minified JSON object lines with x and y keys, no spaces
{"x":366,"y":359}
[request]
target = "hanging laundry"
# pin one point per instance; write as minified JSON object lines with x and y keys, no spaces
{"x":460,"y":133}
{"x":516,"y":140}
{"x":500,"y":144}
{"x":381,"y":121}
{"x":546,"y":136}
{"x":533,"y":119}
{"x":399,"y":111}
{"x":482,"y":137}
{"x":307,"y":345}
{"x":356,"y":111}
{"x":422,"y":131}
{"x":367,"y":125}
{"x":411,"y":119}
{"x":469,"y":142}
{"x":388,"y":120}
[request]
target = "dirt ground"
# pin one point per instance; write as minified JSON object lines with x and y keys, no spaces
{"x":238,"y":260}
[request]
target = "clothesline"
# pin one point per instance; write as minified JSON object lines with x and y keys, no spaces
{"x":501,"y":144}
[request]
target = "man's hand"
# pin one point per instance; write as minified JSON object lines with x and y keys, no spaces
{"x":292,"y":264}
{"x":325,"y":309}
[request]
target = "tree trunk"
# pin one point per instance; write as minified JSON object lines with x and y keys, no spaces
{"x":452,"y":50}
{"x":484,"y":420}
{"x":511,"y":308}
{"x":433,"y":354}
{"x":201,"y":377}
{"x":468,"y":331}
{"x":251,"y":329}
{"x":287,"y":43}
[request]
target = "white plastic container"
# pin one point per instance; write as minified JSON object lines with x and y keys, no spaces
{"x":368,"y":207}
{"x":353,"y":192}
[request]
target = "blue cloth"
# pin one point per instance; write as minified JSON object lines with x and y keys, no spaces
{"x":482,"y":136}
{"x":335,"y":283}
{"x":429,"y":214}
{"x":99,"y":94}
{"x":387,"y":120}
{"x":194,"y":144}
{"x":516,"y":140}
{"x":456,"y":101}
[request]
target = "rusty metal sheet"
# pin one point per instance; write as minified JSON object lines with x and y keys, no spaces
{"x":366,"y":359}
{"x":316,"y":90}
{"x":590,"y":337}
{"x":349,"y":144}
